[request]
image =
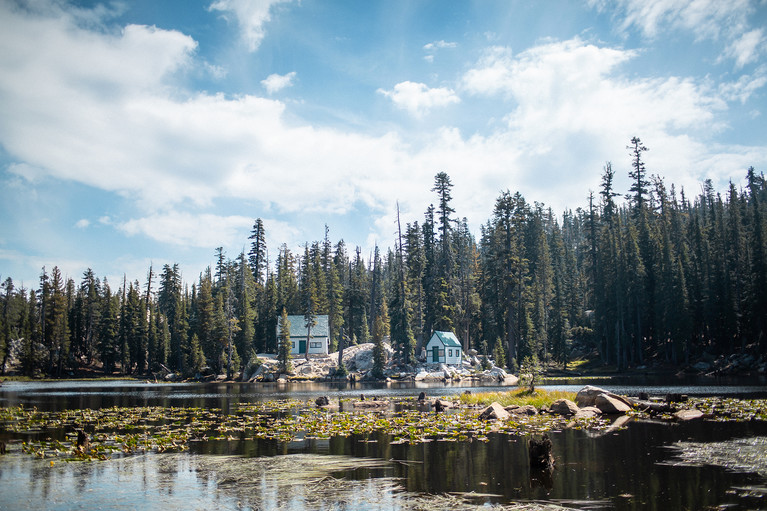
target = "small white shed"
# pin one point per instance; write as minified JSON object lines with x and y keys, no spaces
{"x":444,"y":348}
{"x":317,"y":344}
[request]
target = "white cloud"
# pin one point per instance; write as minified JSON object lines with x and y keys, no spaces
{"x":575,"y":86}
{"x":216,"y":72}
{"x":742,"y":89}
{"x":439,"y":45}
{"x":251,"y":16}
{"x":747,"y":48}
{"x":102,"y":108}
{"x":188,"y":229}
{"x":570,"y":108}
{"x":417,"y":98}
{"x":705,"y":19}
{"x":83,"y":223}
{"x":432,"y":48}
{"x":275,"y":83}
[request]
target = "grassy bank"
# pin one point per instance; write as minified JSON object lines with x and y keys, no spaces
{"x":520,"y":397}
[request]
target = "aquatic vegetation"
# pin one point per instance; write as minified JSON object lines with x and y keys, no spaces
{"x":724,"y":409}
{"x":120,"y":431}
{"x":742,"y":454}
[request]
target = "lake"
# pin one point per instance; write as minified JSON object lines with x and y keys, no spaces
{"x":640,"y":467}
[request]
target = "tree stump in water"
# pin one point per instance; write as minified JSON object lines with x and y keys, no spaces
{"x":541,"y":457}
{"x":422,"y":396}
{"x":82,"y":440}
{"x":322,"y":401}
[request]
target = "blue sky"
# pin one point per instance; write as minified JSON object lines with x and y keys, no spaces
{"x":144,"y":132}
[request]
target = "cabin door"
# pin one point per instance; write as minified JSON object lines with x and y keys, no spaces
{"x":435,"y":354}
{"x":301,"y":346}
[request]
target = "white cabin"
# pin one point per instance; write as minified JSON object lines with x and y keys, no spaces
{"x":317,"y":344}
{"x":444,"y":348}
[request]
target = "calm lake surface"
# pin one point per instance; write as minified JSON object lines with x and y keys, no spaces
{"x":634,"y":468}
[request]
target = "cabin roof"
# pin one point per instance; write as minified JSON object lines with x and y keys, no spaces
{"x":448,"y":339}
{"x":298,"y":326}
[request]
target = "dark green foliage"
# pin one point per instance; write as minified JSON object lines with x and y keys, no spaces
{"x":658,"y":279}
{"x":283,"y":353}
{"x":379,"y":356}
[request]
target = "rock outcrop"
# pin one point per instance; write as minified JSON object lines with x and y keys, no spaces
{"x":564,"y":407}
{"x":494,"y":412}
{"x":608,"y":404}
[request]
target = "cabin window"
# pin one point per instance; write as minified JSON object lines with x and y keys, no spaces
{"x":441,"y":353}
{"x":449,"y":353}
{"x":316,"y":344}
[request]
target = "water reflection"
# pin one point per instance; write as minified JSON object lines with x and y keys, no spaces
{"x":95,"y":394}
{"x":626,"y":469}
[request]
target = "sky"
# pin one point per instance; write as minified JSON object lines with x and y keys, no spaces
{"x":143,"y":132}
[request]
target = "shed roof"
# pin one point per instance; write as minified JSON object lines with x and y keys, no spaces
{"x":298,"y":326}
{"x":448,"y":339}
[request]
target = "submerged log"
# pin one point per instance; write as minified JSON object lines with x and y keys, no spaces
{"x":541,"y":457}
{"x":653,"y":407}
{"x":368,"y":405}
{"x":83,"y":442}
{"x":322,"y":401}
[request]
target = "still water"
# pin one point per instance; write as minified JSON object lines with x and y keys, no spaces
{"x":634,"y":468}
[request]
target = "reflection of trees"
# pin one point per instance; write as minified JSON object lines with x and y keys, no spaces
{"x":626,"y":468}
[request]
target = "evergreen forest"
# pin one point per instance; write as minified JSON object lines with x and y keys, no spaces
{"x":657,"y":278}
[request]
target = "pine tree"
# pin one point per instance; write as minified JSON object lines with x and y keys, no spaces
{"x":309,"y":296}
{"x":401,"y":317}
{"x":31,"y":358}
{"x":90,"y":287}
{"x":442,"y":186}
{"x":757,"y":188}
{"x":499,"y":354}
{"x":109,"y":330}
{"x":244,"y":306}
{"x":56,"y":324}
{"x":430,"y":273}
{"x":7,"y":319}
{"x":285,"y":344}
{"x":415,"y":262}
{"x":287,"y":283}
{"x":467,"y":303}
{"x":379,"y":355}
{"x":640,"y":184}
{"x":205,"y":318}
{"x":196,"y":360}
{"x":257,"y":254}
{"x":266,"y":340}
{"x":170,"y":303}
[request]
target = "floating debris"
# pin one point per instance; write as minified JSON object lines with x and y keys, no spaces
{"x":739,"y":455}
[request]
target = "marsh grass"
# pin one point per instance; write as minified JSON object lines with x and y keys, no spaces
{"x":520,"y":397}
